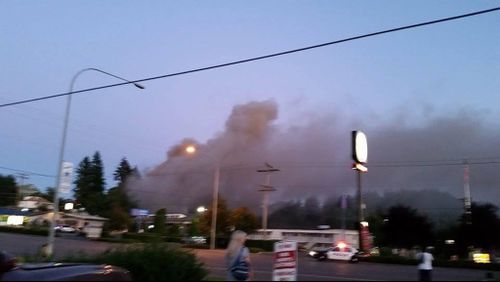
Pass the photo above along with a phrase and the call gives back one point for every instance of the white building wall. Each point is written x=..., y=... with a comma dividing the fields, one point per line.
x=309, y=238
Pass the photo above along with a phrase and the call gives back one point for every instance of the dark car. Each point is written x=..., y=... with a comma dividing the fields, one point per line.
x=11, y=271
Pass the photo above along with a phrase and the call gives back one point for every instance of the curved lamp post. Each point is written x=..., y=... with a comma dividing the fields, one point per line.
x=50, y=241
x=215, y=196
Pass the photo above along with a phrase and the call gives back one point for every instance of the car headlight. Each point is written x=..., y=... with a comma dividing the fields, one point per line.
x=312, y=253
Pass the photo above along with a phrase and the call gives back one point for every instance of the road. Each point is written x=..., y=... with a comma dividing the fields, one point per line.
x=309, y=269
x=21, y=245
x=312, y=270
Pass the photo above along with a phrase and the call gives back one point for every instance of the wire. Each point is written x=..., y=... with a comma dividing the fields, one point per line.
x=259, y=57
x=457, y=162
x=27, y=171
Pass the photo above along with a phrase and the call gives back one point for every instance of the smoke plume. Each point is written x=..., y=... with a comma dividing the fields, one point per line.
x=314, y=159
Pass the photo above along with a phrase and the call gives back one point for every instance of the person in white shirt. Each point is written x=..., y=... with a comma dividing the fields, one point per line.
x=425, y=265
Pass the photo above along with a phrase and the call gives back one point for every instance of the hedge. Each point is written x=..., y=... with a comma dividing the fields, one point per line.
x=265, y=245
x=150, y=262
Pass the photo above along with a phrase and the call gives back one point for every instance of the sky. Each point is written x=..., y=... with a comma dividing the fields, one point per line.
x=424, y=94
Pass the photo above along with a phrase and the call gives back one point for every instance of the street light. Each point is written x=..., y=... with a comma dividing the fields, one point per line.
x=50, y=241
x=215, y=196
x=201, y=209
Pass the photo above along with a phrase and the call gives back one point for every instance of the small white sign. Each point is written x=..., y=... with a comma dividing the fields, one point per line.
x=68, y=206
x=66, y=177
x=285, y=261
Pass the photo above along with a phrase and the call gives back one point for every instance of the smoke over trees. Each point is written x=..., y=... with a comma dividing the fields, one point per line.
x=314, y=158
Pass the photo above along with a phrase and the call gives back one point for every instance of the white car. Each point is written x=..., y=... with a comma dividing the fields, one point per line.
x=65, y=229
x=339, y=252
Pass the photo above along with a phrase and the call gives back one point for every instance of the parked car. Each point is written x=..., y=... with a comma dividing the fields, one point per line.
x=194, y=240
x=65, y=229
x=11, y=271
x=340, y=252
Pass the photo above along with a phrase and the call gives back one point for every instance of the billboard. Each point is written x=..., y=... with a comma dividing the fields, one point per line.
x=66, y=177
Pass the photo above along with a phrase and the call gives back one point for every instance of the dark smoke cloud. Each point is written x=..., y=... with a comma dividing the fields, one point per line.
x=314, y=158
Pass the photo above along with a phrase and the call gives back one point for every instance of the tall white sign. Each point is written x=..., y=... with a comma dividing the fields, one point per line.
x=66, y=177
x=285, y=261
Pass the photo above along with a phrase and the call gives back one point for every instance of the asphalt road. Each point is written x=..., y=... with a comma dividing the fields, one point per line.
x=309, y=269
x=22, y=245
x=312, y=270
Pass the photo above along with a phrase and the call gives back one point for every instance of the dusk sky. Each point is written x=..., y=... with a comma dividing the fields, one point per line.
x=405, y=82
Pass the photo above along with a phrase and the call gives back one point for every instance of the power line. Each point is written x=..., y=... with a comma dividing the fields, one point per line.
x=268, y=56
x=27, y=171
x=303, y=165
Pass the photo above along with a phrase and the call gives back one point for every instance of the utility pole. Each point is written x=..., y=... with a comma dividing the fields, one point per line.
x=343, y=206
x=467, y=196
x=266, y=188
x=22, y=176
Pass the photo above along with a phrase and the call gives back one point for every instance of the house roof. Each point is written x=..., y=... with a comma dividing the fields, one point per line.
x=85, y=216
x=36, y=199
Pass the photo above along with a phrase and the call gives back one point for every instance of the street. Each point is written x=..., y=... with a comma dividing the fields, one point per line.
x=312, y=270
x=20, y=245
x=309, y=269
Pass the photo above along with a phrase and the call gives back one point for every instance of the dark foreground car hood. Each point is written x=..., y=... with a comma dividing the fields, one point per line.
x=66, y=272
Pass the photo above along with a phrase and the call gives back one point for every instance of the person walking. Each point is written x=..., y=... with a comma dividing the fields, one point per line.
x=425, y=265
x=238, y=258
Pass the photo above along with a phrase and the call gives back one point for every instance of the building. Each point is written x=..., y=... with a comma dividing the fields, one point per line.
x=12, y=217
x=26, y=190
x=90, y=225
x=309, y=238
x=34, y=202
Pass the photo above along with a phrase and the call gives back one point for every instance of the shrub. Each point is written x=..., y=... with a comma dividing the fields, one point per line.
x=151, y=262
x=266, y=245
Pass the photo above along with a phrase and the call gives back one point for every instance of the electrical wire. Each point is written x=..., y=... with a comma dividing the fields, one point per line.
x=268, y=56
x=27, y=172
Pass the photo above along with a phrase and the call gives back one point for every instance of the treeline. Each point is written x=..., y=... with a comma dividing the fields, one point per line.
x=92, y=195
x=395, y=222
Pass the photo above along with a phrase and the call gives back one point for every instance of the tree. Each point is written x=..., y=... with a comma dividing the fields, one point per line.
x=377, y=220
x=223, y=227
x=8, y=190
x=123, y=171
x=404, y=227
x=160, y=221
x=118, y=195
x=89, y=189
x=118, y=199
x=194, y=229
x=333, y=213
x=97, y=171
x=483, y=231
x=48, y=195
x=120, y=205
x=243, y=219
x=118, y=219
x=312, y=213
x=287, y=216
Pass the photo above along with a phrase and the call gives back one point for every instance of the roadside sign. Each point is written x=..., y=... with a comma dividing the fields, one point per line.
x=66, y=177
x=285, y=261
